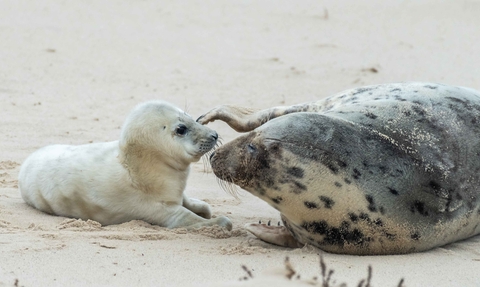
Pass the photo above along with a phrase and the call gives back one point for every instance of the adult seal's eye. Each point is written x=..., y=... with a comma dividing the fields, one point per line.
x=251, y=148
x=181, y=130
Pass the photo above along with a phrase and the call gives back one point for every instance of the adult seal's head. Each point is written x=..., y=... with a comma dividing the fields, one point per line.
x=265, y=161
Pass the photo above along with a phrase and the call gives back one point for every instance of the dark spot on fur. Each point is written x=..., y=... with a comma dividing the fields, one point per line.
x=392, y=191
x=347, y=181
x=456, y=100
x=371, y=203
x=364, y=216
x=277, y=199
x=395, y=90
x=331, y=167
x=353, y=217
x=316, y=227
x=310, y=205
x=419, y=207
x=390, y=236
x=356, y=174
x=345, y=225
x=335, y=235
x=415, y=236
x=378, y=222
x=296, y=172
x=439, y=190
x=275, y=150
x=407, y=113
x=262, y=158
x=398, y=98
x=327, y=201
x=434, y=185
x=298, y=187
x=371, y=115
x=360, y=90
x=419, y=110
x=338, y=184
x=342, y=164
x=431, y=87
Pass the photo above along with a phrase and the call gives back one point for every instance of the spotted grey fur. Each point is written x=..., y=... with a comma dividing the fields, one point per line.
x=383, y=169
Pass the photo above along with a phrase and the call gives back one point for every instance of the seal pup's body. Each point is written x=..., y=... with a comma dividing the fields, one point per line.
x=140, y=177
x=384, y=169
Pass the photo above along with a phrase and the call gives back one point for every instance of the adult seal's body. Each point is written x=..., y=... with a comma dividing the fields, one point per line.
x=142, y=176
x=383, y=169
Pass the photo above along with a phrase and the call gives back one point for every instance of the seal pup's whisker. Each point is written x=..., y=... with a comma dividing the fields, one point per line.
x=207, y=167
x=205, y=162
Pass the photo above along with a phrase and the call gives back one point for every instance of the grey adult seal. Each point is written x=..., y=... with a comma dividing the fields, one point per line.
x=385, y=169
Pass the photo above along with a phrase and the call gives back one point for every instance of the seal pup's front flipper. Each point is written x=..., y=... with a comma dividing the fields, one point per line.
x=277, y=235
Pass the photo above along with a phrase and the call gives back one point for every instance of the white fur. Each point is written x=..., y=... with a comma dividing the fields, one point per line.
x=140, y=177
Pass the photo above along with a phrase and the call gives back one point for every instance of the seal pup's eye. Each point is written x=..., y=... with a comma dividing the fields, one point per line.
x=181, y=130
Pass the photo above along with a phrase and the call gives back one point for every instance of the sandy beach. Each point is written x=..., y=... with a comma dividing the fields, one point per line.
x=70, y=72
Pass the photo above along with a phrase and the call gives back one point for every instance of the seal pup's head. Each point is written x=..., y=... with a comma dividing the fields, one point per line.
x=158, y=131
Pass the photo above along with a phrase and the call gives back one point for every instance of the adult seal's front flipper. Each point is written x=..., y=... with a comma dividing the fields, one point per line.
x=277, y=235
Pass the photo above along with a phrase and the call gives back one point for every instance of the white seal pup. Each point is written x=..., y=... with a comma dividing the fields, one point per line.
x=140, y=177
x=385, y=169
